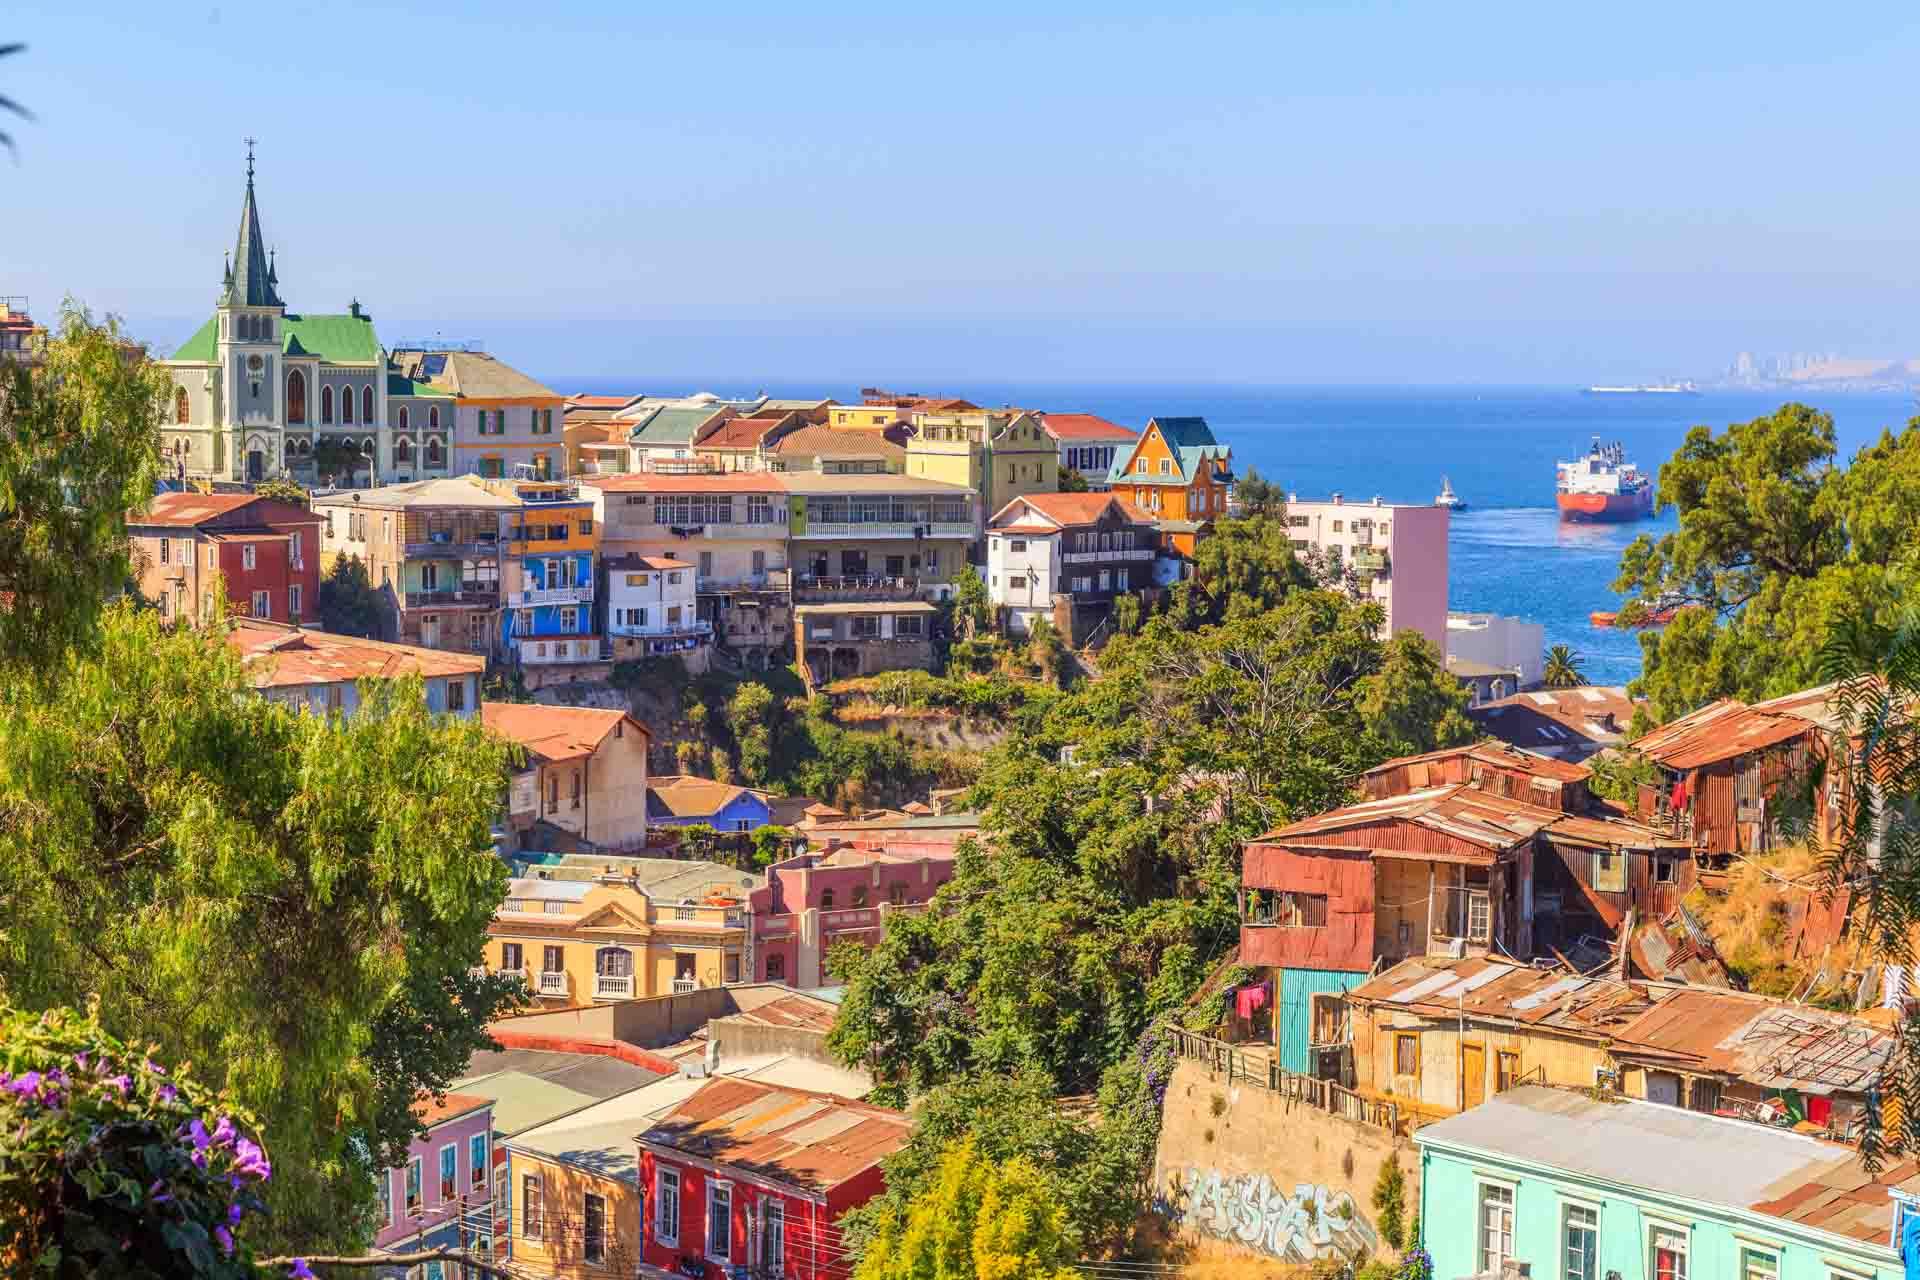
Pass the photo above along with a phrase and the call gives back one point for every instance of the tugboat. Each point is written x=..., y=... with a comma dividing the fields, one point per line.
x=1603, y=486
x=1659, y=612
x=1448, y=498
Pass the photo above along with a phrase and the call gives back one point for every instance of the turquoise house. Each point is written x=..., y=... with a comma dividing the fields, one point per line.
x=1610, y=1189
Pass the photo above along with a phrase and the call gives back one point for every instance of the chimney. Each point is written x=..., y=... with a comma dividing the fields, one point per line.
x=713, y=1056
x=1336, y=498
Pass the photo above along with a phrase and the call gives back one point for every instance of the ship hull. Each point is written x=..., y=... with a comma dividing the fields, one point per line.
x=1605, y=508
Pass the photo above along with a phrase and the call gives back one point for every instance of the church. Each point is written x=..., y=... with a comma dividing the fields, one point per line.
x=261, y=392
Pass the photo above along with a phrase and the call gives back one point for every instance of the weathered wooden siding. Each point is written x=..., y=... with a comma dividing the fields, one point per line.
x=1346, y=942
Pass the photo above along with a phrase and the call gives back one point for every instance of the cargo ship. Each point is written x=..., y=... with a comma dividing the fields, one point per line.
x=1648, y=389
x=1603, y=486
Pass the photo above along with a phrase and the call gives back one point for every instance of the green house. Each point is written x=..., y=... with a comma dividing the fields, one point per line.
x=1586, y=1188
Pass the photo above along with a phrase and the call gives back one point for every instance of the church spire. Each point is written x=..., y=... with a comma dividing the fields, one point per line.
x=253, y=278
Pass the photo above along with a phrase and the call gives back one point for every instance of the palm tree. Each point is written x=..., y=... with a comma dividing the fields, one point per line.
x=1563, y=669
x=8, y=104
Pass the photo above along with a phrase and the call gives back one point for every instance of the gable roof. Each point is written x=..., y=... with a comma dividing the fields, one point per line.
x=555, y=733
x=1493, y=752
x=1070, y=508
x=837, y=442
x=738, y=433
x=471, y=374
x=442, y=491
x=279, y=656
x=1556, y=719
x=451, y=1106
x=812, y=1141
x=682, y=796
x=673, y=424
x=1722, y=730
x=186, y=510
x=1085, y=426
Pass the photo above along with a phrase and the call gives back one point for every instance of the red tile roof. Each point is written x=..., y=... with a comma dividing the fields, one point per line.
x=834, y=442
x=601, y=402
x=556, y=733
x=184, y=510
x=431, y=1112
x=278, y=656
x=1086, y=426
x=812, y=1141
x=738, y=433
x=1077, y=508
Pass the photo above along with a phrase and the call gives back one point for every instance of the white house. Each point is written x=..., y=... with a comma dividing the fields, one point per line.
x=1511, y=644
x=652, y=610
x=1087, y=546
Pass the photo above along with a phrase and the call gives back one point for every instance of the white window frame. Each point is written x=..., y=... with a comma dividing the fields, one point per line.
x=1481, y=1186
x=248, y=558
x=293, y=603
x=449, y=1149
x=416, y=1172
x=263, y=604
x=664, y=1176
x=1567, y=1205
x=1648, y=1226
x=540, y=1225
x=715, y=1187
x=772, y=1206
x=477, y=1169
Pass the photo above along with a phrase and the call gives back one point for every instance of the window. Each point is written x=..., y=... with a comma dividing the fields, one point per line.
x=776, y=968
x=1609, y=871
x=1301, y=911
x=1166, y=466
x=433, y=416
x=1140, y=466
x=403, y=418
x=532, y=1219
x=552, y=960
x=1664, y=870
x=1506, y=1070
x=666, y=1206
x=553, y=792
x=593, y=1228
x=166, y=549
x=248, y=556
x=456, y=693
x=295, y=548
x=859, y=896
x=1406, y=1054
x=477, y=1160
x=1759, y=1264
x=346, y=405
x=720, y=1221
x=773, y=1235
x=449, y=1172
x=826, y=900
x=910, y=625
x=1668, y=1246
x=636, y=579
x=510, y=959
x=296, y=396
x=262, y=605
x=576, y=790
x=413, y=1185
x=366, y=404
x=1496, y=1226
x=1016, y=582
x=182, y=412
x=569, y=620
x=1479, y=916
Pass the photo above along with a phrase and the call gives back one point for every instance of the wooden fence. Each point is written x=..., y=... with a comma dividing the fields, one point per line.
x=1241, y=1065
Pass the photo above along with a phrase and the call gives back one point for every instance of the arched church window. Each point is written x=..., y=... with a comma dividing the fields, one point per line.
x=402, y=450
x=433, y=416
x=326, y=406
x=433, y=453
x=182, y=411
x=346, y=405
x=296, y=396
x=366, y=405
x=403, y=417
x=367, y=446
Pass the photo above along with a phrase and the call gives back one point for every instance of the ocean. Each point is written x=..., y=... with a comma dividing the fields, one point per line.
x=1509, y=553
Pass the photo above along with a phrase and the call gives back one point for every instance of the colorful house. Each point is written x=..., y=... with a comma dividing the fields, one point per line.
x=266, y=552
x=585, y=772
x=1000, y=456
x=1392, y=554
x=677, y=800
x=653, y=610
x=1180, y=474
x=442, y=1198
x=548, y=546
x=1071, y=549
x=1587, y=1188
x=323, y=672
x=844, y=894
x=749, y=1176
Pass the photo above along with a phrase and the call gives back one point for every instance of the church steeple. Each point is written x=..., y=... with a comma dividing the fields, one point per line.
x=253, y=283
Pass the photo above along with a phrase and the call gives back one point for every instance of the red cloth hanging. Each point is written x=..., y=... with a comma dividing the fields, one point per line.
x=1248, y=999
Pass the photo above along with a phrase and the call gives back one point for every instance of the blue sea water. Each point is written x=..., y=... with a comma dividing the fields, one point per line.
x=1509, y=553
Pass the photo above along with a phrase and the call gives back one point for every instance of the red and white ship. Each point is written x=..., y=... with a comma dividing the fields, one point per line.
x=1603, y=486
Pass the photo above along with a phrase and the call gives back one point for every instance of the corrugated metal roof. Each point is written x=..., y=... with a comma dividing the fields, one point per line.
x=812, y=1141
x=1725, y=730
x=1494, y=752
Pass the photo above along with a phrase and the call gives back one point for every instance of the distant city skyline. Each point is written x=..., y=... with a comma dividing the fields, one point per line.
x=1314, y=195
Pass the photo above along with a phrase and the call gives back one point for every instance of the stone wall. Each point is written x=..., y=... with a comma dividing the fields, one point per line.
x=1245, y=1167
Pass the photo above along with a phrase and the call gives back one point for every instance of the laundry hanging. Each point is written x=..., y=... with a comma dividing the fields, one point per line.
x=1248, y=999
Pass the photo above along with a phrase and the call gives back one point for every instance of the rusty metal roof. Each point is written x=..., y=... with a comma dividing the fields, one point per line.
x=1493, y=822
x=1558, y=999
x=1494, y=752
x=1727, y=729
x=813, y=1141
x=1841, y=1197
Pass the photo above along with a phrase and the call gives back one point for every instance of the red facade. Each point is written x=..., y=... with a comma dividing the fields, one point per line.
x=1346, y=879
x=763, y=1217
x=267, y=551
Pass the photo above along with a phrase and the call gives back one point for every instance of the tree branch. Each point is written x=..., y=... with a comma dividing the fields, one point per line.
x=370, y=1260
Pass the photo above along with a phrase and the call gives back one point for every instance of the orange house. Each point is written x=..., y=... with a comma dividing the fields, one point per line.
x=1178, y=473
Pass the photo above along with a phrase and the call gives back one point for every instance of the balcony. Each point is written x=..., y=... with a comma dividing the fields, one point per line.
x=553, y=983
x=685, y=986
x=607, y=986
x=548, y=651
x=553, y=595
x=1371, y=560
x=485, y=598
x=447, y=549
x=681, y=632
x=846, y=529
x=771, y=580
x=1090, y=557
x=812, y=590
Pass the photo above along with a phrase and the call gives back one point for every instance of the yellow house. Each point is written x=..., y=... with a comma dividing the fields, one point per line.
x=579, y=942
x=1000, y=456
x=586, y=770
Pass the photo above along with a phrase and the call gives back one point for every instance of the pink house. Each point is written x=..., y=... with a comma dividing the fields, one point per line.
x=814, y=900
x=440, y=1197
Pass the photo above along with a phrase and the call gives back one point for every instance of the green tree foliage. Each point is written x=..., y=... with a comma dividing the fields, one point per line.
x=979, y=1220
x=1126, y=613
x=752, y=713
x=1247, y=566
x=79, y=448
x=1619, y=774
x=1775, y=545
x=1411, y=703
x=291, y=903
x=1072, y=481
x=1562, y=670
x=1390, y=1204
x=1257, y=496
x=350, y=605
x=972, y=608
x=284, y=490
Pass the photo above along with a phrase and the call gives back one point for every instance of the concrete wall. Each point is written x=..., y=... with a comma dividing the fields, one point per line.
x=1244, y=1167
x=1507, y=643
x=738, y=1039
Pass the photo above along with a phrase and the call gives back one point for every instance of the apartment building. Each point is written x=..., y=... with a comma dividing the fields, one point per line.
x=549, y=540
x=266, y=552
x=998, y=455
x=1081, y=550
x=653, y=610
x=1391, y=553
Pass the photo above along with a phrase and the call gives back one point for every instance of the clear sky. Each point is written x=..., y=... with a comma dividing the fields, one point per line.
x=1354, y=192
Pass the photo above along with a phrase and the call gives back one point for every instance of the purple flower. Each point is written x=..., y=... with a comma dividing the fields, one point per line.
x=155, y=1067
x=248, y=1158
x=199, y=1134
x=80, y=1060
x=168, y=1093
x=121, y=1083
x=26, y=1086
x=225, y=1237
x=299, y=1270
x=157, y=1192
x=234, y=1214
x=223, y=1132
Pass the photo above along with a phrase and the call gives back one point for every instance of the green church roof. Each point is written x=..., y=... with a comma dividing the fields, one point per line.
x=345, y=339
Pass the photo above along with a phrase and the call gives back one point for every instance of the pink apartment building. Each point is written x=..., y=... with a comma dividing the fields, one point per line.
x=814, y=900
x=442, y=1197
x=1399, y=554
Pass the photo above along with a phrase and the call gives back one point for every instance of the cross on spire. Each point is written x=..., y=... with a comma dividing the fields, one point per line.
x=250, y=140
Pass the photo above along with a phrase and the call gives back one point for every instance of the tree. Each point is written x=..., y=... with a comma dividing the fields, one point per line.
x=1390, y=1203
x=338, y=459
x=1126, y=613
x=79, y=448
x=8, y=104
x=1412, y=703
x=1246, y=566
x=1071, y=481
x=284, y=490
x=350, y=605
x=978, y=1221
x=972, y=609
x=1256, y=496
x=1774, y=546
x=1619, y=774
x=1562, y=669
x=292, y=903
x=752, y=712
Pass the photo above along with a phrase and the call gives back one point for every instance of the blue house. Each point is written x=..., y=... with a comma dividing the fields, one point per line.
x=1586, y=1188
x=677, y=800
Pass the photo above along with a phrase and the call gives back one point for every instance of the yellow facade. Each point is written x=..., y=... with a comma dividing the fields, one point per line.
x=1000, y=456
x=556, y=1246
x=670, y=948
x=866, y=417
x=1459, y=1063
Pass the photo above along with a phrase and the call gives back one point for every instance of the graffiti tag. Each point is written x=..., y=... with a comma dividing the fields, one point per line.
x=1310, y=1223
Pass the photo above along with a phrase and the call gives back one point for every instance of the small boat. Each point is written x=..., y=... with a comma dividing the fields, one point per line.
x=1658, y=613
x=1448, y=498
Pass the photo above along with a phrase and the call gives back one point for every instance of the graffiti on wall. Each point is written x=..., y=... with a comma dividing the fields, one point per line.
x=1308, y=1223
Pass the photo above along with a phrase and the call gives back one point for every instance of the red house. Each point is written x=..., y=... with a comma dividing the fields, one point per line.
x=745, y=1175
x=268, y=552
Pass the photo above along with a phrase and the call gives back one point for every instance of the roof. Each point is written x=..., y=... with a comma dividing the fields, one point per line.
x=1841, y=1197
x=399, y=384
x=471, y=374
x=837, y=442
x=1494, y=753
x=556, y=733
x=716, y=482
x=334, y=339
x=521, y=1100
x=1191, y=442
x=809, y=1140
x=445, y=491
x=1070, y=508
x=599, y=1137
x=663, y=879
x=673, y=424
x=661, y=563
x=278, y=656
x=448, y=1106
x=1471, y=670
x=600, y=402
x=1722, y=730
x=1492, y=822
x=185, y=510
x=800, y=1009
x=738, y=433
x=1085, y=426
x=1695, y=1157
x=680, y=796
x=1552, y=719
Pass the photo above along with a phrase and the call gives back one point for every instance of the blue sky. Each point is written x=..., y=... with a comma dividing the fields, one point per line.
x=1316, y=193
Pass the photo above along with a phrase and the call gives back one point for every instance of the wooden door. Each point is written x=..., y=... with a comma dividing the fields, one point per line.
x=1473, y=1075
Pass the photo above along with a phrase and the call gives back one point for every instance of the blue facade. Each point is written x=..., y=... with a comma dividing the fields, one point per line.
x=745, y=808
x=1293, y=1019
x=535, y=569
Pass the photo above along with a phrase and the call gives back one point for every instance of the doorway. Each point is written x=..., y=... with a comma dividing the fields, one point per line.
x=1473, y=1076
x=256, y=466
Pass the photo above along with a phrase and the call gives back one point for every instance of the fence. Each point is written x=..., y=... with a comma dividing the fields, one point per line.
x=1258, y=1068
